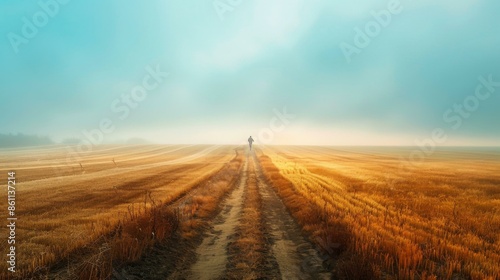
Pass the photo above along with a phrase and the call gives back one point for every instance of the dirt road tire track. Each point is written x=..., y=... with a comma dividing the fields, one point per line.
x=295, y=255
x=163, y=258
x=212, y=255
x=288, y=254
x=172, y=258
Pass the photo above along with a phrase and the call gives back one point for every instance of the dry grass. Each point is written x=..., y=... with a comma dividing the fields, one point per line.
x=437, y=220
x=195, y=210
x=106, y=212
x=376, y=217
x=142, y=228
x=249, y=245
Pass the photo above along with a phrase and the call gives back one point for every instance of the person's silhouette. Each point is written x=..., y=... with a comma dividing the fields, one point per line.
x=250, y=141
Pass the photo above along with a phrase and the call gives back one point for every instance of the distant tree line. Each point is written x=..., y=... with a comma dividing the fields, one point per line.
x=23, y=140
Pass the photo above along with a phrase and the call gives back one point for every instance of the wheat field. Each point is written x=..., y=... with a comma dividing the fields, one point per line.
x=438, y=219
x=67, y=209
x=370, y=213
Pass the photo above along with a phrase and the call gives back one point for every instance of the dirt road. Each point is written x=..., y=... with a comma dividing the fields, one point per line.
x=253, y=236
x=286, y=253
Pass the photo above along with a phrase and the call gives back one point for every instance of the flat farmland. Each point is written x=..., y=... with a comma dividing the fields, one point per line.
x=277, y=212
x=63, y=208
x=390, y=218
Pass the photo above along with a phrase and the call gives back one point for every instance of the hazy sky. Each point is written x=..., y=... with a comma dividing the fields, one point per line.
x=228, y=76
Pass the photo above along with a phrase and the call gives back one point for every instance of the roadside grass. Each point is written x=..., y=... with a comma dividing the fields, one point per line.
x=83, y=225
x=250, y=242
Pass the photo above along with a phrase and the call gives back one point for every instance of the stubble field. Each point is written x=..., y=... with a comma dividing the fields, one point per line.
x=438, y=219
x=178, y=212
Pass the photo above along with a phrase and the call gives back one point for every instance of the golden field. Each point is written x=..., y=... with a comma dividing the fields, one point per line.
x=373, y=214
x=107, y=204
x=392, y=219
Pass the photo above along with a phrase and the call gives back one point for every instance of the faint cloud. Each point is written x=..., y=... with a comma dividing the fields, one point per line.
x=277, y=21
x=275, y=24
x=453, y=7
x=229, y=55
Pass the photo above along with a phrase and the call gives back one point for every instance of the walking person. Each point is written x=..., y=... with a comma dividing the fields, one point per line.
x=250, y=141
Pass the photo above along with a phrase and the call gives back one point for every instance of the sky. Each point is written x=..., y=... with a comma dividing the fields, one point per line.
x=303, y=72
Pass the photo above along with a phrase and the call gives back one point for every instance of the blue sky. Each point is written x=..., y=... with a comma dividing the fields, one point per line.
x=227, y=77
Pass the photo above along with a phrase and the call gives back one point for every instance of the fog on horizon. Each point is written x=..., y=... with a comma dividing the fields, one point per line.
x=286, y=72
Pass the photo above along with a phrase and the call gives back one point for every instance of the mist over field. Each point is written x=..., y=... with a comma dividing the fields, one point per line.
x=357, y=73
x=227, y=139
